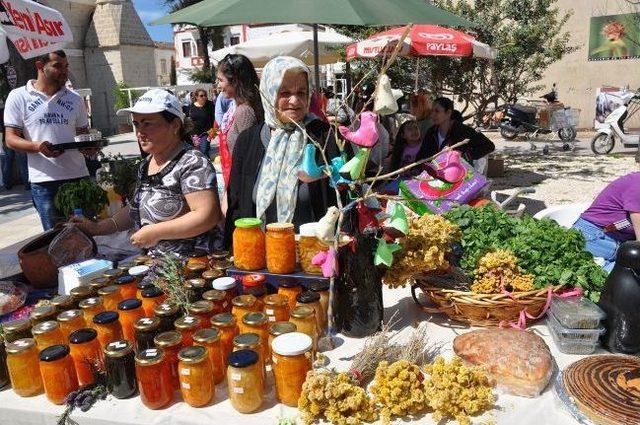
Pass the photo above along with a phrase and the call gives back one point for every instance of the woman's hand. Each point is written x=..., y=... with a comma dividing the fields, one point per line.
x=146, y=237
x=90, y=227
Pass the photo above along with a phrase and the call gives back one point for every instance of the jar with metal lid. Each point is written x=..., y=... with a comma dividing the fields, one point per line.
x=63, y=302
x=276, y=307
x=108, y=326
x=291, y=362
x=198, y=257
x=229, y=286
x=228, y=326
x=210, y=339
x=195, y=270
x=98, y=283
x=4, y=373
x=308, y=246
x=110, y=297
x=126, y=265
x=221, y=264
x=90, y=307
x=168, y=312
x=58, y=373
x=195, y=370
x=42, y=314
x=245, y=381
x=187, y=326
x=312, y=299
x=128, y=286
x=218, y=299
x=141, y=286
x=195, y=288
x=141, y=259
x=249, y=244
x=244, y=304
x=280, y=328
x=146, y=330
x=151, y=297
x=80, y=293
x=23, y=367
x=202, y=309
x=139, y=272
x=154, y=378
x=281, y=248
x=254, y=284
x=257, y=322
x=17, y=329
x=112, y=274
x=120, y=365
x=171, y=343
x=305, y=320
x=130, y=310
x=322, y=288
x=210, y=275
x=289, y=289
x=71, y=320
x=86, y=353
x=251, y=341
x=47, y=334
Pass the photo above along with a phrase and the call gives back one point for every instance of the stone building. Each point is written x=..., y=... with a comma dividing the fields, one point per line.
x=164, y=55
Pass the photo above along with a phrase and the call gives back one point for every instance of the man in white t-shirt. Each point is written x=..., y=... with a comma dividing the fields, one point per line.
x=37, y=117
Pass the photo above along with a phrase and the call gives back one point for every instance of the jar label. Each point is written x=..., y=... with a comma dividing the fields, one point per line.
x=267, y=368
x=21, y=343
x=165, y=307
x=185, y=371
x=117, y=345
x=92, y=301
x=272, y=318
x=238, y=390
x=269, y=311
x=236, y=377
x=185, y=385
x=151, y=352
x=146, y=321
x=189, y=319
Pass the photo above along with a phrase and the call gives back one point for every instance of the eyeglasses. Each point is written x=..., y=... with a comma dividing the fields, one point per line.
x=202, y=95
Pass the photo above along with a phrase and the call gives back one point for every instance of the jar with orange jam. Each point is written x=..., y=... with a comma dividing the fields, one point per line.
x=291, y=361
x=280, y=328
x=141, y=286
x=257, y=322
x=151, y=297
x=80, y=293
x=249, y=244
x=195, y=288
x=228, y=326
x=244, y=304
x=108, y=326
x=98, y=283
x=322, y=288
x=171, y=343
x=218, y=299
x=230, y=288
x=86, y=353
x=245, y=381
x=209, y=338
x=251, y=341
x=312, y=299
x=90, y=307
x=42, y=314
x=289, y=289
x=130, y=311
x=128, y=286
x=23, y=366
x=112, y=274
x=71, y=320
x=4, y=373
x=47, y=334
x=154, y=378
x=305, y=320
x=187, y=326
x=16, y=329
x=110, y=297
x=198, y=257
x=195, y=370
x=210, y=275
x=202, y=309
x=168, y=312
x=276, y=307
x=308, y=246
x=63, y=302
x=281, y=248
x=58, y=373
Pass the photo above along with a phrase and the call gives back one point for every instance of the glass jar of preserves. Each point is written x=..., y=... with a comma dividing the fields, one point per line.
x=198, y=257
x=58, y=373
x=312, y=299
x=202, y=309
x=291, y=362
x=128, y=286
x=245, y=381
x=228, y=326
x=168, y=312
x=86, y=353
x=322, y=288
x=249, y=244
x=305, y=320
x=229, y=286
x=210, y=275
x=281, y=248
x=141, y=259
x=80, y=293
x=146, y=330
x=195, y=270
x=4, y=373
x=120, y=365
x=276, y=307
x=125, y=266
x=108, y=326
x=42, y=314
x=171, y=343
x=251, y=341
x=98, y=283
x=154, y=378
x=17, y=329
x=209, y=338
x=47, y=334
x=139, y=272
x=151, y=297
x=141, y=286
x=71, y=320
x=257, y=322
x=23, y=367
x=308, y=246
x=112, y=274
x=244, y=304
x=280, y=328
x=195, y=288
x=254, y=284
x=218, y=299
x=110, y=297
x=289, y=289
x=195, y=370
x=130, y=311
x=63, y=302
x=187, y=326
x=90, y=307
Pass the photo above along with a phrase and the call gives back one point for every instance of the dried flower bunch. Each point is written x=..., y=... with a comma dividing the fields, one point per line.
x=498, y=270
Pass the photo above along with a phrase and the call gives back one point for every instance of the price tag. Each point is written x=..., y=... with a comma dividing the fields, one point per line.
x=185, y=385
x=269, y=311
x=236, y=377
x=151, y=352
x=21, y=343
x=146, y=321
x=238, y=390
x=189, y=319
x=185, y=372
x=267, y=368
x=165, y=307
x=272, y=318
x=92, y=301
x=118, y=345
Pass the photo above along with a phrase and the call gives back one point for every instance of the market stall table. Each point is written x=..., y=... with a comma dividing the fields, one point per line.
x=545, y=409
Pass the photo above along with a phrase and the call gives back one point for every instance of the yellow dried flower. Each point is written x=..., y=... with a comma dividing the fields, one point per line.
x=398, y=390
x=499, y=270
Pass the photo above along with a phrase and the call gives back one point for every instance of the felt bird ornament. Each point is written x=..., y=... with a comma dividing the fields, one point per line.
x=366, y=135
x=326, y=229
x=354, y=169
x=327, y=262
x=384, y=253
x=336, y=164
x=385, y=102
x=309, y=165
x=450, y=168
x=398, y=225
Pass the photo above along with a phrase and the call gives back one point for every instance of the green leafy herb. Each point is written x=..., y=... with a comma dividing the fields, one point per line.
x=85, y=194
x=122, y=174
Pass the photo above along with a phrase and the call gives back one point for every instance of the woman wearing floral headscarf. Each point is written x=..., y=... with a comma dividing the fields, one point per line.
x=265, y=181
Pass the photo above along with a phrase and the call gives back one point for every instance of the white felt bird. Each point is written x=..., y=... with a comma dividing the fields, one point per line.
x=326, y=229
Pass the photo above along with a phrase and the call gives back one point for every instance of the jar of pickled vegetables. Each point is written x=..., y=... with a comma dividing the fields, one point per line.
x=130, y=311
x=146, y=330
x=308, y=246
x=154, y=378
x=276, y=307
x=187, y=326
x=322, y=288
x=229, y=286
x=228, y=326
x=80, y=293
x=4, y=373
x=63, y=302
x=58, y=373
x=291, y=362
x=141, y=286
x=86, y=354
x=90, y=307
x=128, y=286
x=151, y=297
x=195, y=370
x=47, y=334
x=254, y=284
x=210, y=339
x=202, y=309
x=249, y=244
x=289, y=289
x=42, y=314
x=280, y=328
x=281, y=248
x=244, y=304
x=98, y=283
x=110, y=297
x=120, y=365
x=251, y=341
x=195, y=288
x=23, y=367
x=108, y=326
x=17, y=329
x=139, y=271
x=168, y=312
x=245, y=381
x=305, y=320
x=257, y=322
x=312, y=299
x=112, y=274
x=218, y=299
x=71, y=320
x=171, y=343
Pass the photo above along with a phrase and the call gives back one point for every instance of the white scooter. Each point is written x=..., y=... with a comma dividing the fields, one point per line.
x=613, y=128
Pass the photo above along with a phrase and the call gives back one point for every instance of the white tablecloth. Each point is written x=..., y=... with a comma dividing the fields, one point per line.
x=509, y=410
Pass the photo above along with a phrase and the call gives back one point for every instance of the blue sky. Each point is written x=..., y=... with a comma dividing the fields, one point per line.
x=150, y=10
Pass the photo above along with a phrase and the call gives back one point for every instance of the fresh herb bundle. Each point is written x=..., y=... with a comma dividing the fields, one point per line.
x=121, y=173
x=85, y=194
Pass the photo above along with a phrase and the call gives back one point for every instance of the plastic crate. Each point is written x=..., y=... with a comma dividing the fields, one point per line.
x=577, y=313
x=573, y=341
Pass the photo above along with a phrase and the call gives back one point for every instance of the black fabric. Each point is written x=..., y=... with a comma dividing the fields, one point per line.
x=477, y=147
x=202, y=117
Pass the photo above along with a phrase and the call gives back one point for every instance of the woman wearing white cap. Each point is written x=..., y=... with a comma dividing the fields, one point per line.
x=175, y=204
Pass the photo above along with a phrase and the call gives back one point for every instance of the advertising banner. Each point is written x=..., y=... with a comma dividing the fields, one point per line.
x=614, y=37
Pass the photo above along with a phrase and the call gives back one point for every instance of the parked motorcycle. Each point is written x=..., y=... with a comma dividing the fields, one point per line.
x=613, y=130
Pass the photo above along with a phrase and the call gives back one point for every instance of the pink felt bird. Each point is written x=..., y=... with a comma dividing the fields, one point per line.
x=367, y=135
x=327, y=262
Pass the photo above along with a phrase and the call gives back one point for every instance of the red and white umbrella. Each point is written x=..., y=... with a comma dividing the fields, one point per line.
x=422, y=40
